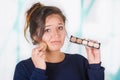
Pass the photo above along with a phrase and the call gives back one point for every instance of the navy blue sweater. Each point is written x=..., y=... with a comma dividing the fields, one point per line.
x=73, y=67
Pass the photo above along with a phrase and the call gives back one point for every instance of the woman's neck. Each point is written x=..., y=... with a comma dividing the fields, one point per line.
x=55, y=57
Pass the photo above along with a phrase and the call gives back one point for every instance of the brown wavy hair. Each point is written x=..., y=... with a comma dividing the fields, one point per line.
x=35, y=20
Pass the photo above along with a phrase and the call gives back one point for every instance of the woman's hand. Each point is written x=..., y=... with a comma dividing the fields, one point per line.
x=38, y=56
x=93, y=55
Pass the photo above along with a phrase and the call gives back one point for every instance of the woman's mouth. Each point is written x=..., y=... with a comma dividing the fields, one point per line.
x=55, y=42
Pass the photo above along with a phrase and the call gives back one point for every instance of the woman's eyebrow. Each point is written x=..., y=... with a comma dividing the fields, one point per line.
x=61, y=23
x=48, y=25
x=51, y=25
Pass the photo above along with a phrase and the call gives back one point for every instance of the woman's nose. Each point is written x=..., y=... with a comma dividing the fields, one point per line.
x=56, y=33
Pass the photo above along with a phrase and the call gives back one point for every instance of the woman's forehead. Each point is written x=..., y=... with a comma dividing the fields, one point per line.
x=53, y=19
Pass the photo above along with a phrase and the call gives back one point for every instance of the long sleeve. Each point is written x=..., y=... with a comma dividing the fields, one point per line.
x=95, y=72
x=38, y=74
x=25, y=71
x=88, y=71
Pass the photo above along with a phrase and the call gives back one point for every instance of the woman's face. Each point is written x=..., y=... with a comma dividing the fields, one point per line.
x=54, y=34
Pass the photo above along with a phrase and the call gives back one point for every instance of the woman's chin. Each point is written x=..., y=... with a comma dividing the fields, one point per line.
x=54, y=49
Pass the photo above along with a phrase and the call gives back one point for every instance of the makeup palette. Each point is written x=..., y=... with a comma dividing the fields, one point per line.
x=85, y=42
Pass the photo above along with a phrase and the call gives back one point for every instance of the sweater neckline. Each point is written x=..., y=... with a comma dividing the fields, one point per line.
x=63, y=61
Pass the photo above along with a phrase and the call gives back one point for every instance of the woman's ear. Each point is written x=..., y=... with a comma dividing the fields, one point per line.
x=66, y=32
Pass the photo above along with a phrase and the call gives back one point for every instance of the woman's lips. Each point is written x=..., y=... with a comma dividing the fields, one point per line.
x=56, y=42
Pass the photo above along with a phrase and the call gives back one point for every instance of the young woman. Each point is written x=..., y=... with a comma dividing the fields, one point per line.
x=47, y=30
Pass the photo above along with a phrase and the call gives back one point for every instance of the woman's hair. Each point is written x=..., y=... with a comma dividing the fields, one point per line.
x=35, y=19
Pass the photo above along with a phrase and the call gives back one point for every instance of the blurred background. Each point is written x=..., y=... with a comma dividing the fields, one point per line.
x=93, y=19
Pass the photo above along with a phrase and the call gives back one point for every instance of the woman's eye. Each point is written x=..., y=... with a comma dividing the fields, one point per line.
x=47, y=30
x=60, y=27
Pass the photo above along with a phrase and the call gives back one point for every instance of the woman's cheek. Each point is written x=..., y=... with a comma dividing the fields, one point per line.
x=46, y=38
